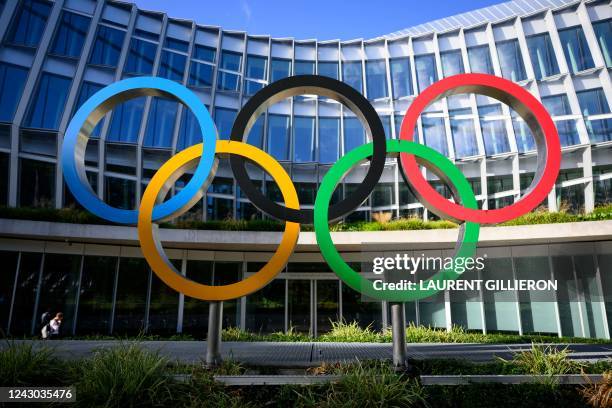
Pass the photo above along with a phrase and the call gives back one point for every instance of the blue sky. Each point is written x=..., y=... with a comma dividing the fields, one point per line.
x=321, y=19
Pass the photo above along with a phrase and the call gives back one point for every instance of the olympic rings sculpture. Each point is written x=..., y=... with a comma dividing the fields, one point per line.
x=204, y=157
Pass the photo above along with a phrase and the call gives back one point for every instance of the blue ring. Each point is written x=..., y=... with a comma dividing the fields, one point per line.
x=85, y=119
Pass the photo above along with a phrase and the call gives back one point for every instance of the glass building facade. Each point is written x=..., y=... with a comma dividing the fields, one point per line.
x=55, y=54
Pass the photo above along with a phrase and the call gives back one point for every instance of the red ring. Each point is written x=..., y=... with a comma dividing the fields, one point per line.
x=507, y=92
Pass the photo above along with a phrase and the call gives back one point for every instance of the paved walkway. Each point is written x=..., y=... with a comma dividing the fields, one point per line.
x=313, y=354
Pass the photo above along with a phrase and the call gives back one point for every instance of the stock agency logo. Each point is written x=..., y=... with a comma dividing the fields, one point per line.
x=203, y=156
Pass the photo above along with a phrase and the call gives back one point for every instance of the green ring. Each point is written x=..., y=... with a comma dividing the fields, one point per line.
x=352, y=278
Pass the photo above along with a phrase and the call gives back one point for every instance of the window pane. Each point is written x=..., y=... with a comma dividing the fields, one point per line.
x=141, y=57
x=328, y=308
x=524, y=138
x=400, y=77
x=480, y=59
x=386, y=122
x=204, y=53
x=576, y=49
x=189, y=132
x=256, y=67
x=280, y=68
x=493, y=130
x=464, y=137
x=511, y=60
x=219, y=208
x=255, y=136
x=278, y=136
x=12, y=80
x=107, y=46
x=351, y=74
x=36, y=183
x=329, y=132
x=231, y=60
x=593, y=102
x=163, y=307
x=131, y=300
x=160, y=124
x=25, y=294
x=435, y=134
x=87, y=90
x=175, y=44
x=603, y=32
x=252, y=87
x=354, y=133
x=376, y=79
x=266, y=308
x=172, y=65
x=58, y=291
x=452, y=63
x=7, y=281
x=303, y=136
x=542, y=56
x=558, y=105
x=224, y=119
x=329, y=69
x=125, y=123
x=200, y=74
x=120, y=193
x=47, y=106
x=96, y=295
x=227, y=81
x=4, y=178
x=29, y=23
x=70, y=35
x=304, y=68
x=425, y=70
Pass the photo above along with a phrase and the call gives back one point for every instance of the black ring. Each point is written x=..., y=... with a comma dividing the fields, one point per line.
x=309, y=85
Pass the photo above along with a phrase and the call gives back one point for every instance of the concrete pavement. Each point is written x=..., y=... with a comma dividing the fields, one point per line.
x=305, y=354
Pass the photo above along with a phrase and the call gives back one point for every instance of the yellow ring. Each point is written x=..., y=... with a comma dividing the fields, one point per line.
x=152, y=249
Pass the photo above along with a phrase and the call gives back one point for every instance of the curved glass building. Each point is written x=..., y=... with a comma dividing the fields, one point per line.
x=55, y=54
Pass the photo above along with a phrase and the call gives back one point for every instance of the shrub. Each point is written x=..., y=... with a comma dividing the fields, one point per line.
x=22, y=364
x=545, y=360
x=123, y=376
x=350, y=332
x=599, y=395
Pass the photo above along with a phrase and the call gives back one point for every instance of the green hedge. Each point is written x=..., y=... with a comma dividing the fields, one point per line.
x=76, y=216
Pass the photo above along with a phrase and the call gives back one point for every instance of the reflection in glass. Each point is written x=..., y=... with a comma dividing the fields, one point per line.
x=231, y=61
x=279, y=69
x=29, y=23
x=499, y=305
x=70, y=35
x=47, y=105
x=435, y=134
x=303, y=139
x=120, y=193
x=593, y=102
x=576, y=49
x=356, y=309
x=351, y=74
x=265, y=309
x=107, y=48
x=256, y=67
x=603, y=32
x=400, y=77
x=328, y=69
x=327, y=304
x=493, y=130
x=511, y=60
x=376, y=79
x=172, y=65
x=195, y=311
x=567, y=296
x=224, y=120
x=452, y=63
x=12, y=80
x=299, y=305
x=36, y=183
x=542, y=55
x=329, y=136
x=278, y=136
x=160, y=125
x=204, y=53
x=87, y=90
x=304, y=67
x=464, y=137
x=163, y=308
x=200, y=74
x=8, y=260
x=480, y=59
x=425, y=70
x=132, y=287
x=354, y=133
x=125, y=122
x=96, y=295
x=140, y=57
x=465, y=304
x=536, y=306
x=25, y=295
x=558, y=105
x=58, y=290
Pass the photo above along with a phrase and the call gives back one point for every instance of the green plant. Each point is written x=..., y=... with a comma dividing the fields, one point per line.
x=123, y=376
x=350, y=332
x=22, y=364
x=545, y=360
